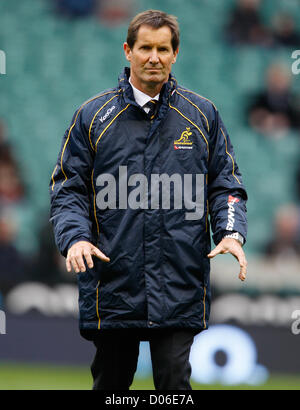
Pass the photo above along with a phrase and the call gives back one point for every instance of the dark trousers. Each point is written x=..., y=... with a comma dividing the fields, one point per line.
x=117, y=353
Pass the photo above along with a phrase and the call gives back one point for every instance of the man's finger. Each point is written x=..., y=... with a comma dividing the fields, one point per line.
x=88, y=259
x=80, y=261
x=68, y=265
x=243, y=270
x=242, y=274
x=96, y=252
x=74, y=264
x=240, y=256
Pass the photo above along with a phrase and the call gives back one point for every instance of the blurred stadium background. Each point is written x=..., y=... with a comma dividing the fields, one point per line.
x=58, y=54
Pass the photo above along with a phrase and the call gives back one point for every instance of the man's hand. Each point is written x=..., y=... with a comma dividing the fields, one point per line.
x=81, y=250
x=230, y=245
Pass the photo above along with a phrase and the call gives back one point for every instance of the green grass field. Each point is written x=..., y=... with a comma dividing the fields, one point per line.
x=47, y=377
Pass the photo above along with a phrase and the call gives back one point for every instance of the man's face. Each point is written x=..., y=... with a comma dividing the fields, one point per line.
x=151, y=57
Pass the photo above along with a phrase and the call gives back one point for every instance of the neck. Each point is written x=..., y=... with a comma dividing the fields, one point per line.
x=151, y=89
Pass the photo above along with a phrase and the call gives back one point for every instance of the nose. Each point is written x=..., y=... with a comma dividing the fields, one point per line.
x=153, y=59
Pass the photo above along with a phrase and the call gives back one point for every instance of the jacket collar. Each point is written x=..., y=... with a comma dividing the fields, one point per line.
x=165, y=94
x=140, y=97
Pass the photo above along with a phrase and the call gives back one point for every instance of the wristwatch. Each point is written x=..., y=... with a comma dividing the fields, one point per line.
x=237, y=236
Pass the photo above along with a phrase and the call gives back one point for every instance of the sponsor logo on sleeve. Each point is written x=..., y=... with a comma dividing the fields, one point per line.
x=231, y=212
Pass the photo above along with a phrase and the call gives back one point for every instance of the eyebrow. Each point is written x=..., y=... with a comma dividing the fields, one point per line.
x=149, y=43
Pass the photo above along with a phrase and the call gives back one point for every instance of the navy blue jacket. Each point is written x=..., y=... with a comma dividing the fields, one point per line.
x=145, y=191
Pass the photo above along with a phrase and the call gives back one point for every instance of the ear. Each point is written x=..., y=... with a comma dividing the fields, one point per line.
x=127, y=51
x=175, y=55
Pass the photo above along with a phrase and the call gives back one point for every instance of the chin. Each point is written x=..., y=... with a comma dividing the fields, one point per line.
x=155, y=78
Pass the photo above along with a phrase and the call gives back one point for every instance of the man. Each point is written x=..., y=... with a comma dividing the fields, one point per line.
x=141, y=167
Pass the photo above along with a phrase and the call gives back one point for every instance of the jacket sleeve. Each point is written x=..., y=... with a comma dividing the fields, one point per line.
x=226, y=193
x=70, y=187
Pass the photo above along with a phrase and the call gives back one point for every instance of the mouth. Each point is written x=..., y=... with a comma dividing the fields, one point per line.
x=153, y=69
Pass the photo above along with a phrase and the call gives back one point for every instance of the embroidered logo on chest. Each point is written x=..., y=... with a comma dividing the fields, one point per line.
x=184, y=142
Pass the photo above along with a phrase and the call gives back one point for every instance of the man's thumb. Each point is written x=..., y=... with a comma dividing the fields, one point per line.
x=214, y=252
x=100, y=254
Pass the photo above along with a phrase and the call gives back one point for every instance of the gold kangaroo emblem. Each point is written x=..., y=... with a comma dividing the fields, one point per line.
x=184, y=138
